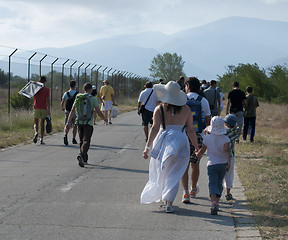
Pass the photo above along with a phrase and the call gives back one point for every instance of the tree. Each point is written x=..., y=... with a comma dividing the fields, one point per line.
x=279, y=79
x=249, y=75
x=4, y=78
x=168, y=66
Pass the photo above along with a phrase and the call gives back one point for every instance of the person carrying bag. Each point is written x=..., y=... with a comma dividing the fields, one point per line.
x=142, y=108
x=147, y=102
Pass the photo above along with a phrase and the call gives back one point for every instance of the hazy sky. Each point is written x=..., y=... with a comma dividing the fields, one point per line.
x=31, y=24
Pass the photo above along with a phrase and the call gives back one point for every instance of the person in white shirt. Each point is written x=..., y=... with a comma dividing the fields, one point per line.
x=149, y=99
x=192, y=87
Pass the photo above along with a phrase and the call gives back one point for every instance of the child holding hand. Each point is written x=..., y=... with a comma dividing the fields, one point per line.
x=218, y=154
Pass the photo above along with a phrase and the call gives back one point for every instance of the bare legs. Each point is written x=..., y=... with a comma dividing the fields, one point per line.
x=146, y=131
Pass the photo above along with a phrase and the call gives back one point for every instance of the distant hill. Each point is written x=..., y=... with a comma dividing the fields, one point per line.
x=206, y=50
x=281, y=61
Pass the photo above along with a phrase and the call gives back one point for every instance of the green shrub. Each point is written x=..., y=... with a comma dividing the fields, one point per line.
x=20, y=102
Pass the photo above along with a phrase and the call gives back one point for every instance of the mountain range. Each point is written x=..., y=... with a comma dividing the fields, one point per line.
x=207, y=50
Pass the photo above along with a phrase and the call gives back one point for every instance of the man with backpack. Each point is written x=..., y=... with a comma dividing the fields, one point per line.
x=199, y=107
x=68, y=99
x=213, y=97
x=83, y=107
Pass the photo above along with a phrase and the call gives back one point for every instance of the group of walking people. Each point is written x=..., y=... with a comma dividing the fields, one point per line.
x=185, y=123
x=80, y=113
x=177, y=141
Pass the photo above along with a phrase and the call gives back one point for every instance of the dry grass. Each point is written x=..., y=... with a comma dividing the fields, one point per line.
x=262, y=165
x=19, y=128
x=263, y=170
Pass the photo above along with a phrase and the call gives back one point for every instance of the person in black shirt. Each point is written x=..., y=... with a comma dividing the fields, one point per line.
x=236, y=100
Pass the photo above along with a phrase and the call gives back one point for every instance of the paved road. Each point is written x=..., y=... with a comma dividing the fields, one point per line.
x=46, y=195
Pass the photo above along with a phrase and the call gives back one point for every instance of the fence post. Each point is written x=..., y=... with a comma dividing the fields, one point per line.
x=71, y=69
x=128, y=84
x=86, y=72
x=63, y=76
x=97, y=76
x=41, y=63
x=108, y=73
x=52, y=79
x=9, y=87
x=112, y=81
x=79, y=75
x=104, y=73
x=91, y=74
x=29, y=64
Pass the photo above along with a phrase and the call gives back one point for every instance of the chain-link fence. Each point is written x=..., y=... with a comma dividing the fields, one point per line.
x=17, y=67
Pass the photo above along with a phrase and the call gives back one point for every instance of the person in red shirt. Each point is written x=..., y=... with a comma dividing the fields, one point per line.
x=41, y=106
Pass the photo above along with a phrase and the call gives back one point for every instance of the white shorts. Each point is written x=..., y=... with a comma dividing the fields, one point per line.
x=229, y=177
x=107, y=106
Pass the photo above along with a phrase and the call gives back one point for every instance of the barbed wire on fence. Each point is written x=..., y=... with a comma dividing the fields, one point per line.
x=21, y=66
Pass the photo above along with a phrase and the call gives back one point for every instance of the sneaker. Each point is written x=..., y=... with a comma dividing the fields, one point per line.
x=80, y=161
x=185, y=198
x=42, y=142
x=193, y=192
x=229, y=197
x=35, y=138
x=65, y=140
x=214, y=210
x=85, y=161
x=74, y=141
x=169, y=209
x=110, y=122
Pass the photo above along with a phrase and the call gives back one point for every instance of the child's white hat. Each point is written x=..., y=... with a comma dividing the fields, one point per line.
x=217, y=126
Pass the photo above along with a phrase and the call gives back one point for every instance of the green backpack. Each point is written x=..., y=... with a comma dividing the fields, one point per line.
x=83, y=108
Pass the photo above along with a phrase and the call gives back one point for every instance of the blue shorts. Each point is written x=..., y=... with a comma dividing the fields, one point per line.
x=216, y=174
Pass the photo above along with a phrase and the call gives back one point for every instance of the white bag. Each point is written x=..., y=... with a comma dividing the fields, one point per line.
x=31, y=88
x=114, y=112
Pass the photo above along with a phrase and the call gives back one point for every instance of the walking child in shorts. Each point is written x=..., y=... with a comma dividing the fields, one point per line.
x=218, y=154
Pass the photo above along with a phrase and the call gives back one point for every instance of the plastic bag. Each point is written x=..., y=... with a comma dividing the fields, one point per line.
x=48, y=124
x=114, y=112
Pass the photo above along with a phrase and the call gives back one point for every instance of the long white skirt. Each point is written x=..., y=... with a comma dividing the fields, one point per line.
x=164, y=180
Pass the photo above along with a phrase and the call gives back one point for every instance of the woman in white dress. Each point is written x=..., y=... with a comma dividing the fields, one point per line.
x=169, y=145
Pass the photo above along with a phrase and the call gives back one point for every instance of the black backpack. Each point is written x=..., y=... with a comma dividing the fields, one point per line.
x=70, y=101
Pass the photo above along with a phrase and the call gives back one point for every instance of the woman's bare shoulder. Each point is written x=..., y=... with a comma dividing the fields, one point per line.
x=186, y=109
x=157, y=108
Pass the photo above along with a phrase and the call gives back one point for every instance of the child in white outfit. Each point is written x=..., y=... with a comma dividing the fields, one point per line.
x=232, y=133
x=218, y=153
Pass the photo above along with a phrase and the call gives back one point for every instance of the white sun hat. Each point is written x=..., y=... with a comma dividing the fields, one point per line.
x=170, y=93
x=217, y=126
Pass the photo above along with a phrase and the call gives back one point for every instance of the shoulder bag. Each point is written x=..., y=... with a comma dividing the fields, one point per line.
x=162, y=114
x=141, y=110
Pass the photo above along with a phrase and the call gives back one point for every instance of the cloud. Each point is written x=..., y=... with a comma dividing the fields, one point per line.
x=273, y=2
x=58, y=23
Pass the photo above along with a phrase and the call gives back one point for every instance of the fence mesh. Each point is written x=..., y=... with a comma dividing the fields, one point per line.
x=17, y=67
